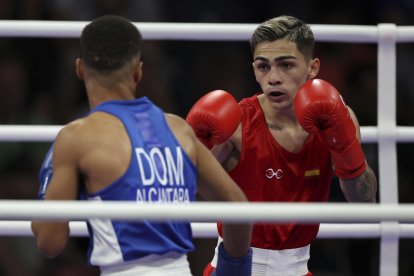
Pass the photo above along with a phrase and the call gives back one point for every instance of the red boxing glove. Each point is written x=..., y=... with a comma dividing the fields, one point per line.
x=214, y=117
x=320, y=107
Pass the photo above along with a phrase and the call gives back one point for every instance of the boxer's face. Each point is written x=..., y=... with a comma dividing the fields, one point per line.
x=280, y=69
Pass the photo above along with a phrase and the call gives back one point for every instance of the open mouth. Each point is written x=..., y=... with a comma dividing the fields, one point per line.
x=276, y=94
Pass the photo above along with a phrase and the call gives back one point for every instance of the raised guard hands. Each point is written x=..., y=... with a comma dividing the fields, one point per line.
x=320, y=108
x=214, y=117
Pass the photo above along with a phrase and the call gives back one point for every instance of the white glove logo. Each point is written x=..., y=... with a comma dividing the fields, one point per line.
x=271, y=173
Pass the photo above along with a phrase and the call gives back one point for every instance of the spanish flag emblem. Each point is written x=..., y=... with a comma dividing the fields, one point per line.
x=312, y=172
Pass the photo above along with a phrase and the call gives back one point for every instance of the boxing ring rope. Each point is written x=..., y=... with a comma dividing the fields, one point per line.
x=206, y=211
x=209, y=230
x=47, y=133
x=197, y=31
x=387, y=134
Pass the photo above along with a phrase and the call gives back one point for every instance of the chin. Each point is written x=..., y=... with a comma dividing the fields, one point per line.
x=280, y=103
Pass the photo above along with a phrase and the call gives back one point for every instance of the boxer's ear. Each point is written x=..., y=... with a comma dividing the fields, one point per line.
x=313, y=68
x=79, y=68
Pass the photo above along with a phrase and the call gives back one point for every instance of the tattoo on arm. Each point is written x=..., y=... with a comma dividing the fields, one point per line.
x=362, y=188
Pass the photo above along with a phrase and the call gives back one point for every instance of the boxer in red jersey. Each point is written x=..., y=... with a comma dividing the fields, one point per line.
x=291, y=139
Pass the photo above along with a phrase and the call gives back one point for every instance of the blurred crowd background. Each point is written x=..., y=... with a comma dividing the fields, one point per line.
x=38, y=86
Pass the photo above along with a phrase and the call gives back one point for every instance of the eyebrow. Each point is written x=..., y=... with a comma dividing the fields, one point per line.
x=281, y=58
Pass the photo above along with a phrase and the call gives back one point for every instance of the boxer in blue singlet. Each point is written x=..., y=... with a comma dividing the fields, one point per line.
x=128, y=149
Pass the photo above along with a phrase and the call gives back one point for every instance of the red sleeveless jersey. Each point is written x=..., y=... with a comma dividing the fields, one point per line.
x=267, y=172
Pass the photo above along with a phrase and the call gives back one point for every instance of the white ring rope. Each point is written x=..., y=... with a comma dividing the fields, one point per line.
x=47, y=133
x=27, y=133
x=196, y=31
x=207, y=211
x=209, y=230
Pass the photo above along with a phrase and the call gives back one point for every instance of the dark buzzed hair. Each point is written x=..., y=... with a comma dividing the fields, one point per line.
x=110, y=42
x=285, y=27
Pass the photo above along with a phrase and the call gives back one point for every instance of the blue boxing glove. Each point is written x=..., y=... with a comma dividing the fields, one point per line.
x=46, y=172
x=228, y=265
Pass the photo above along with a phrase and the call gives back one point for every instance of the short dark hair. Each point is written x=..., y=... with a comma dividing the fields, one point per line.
x=110, y=42
x=285, y=27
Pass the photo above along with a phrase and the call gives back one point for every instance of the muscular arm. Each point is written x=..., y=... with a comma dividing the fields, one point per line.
x=52, y=236
x=228, y=153
x=362, y=188
x=214, y=184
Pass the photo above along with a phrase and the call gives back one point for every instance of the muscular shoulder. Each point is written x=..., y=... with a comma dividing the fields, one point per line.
x=74, y=131
x=182, y=131
x=97, y=126
x=68, y=140
x=178, y=125
x=68, y=131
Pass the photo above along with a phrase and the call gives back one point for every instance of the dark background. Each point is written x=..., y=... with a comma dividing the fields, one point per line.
x=38, y=86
